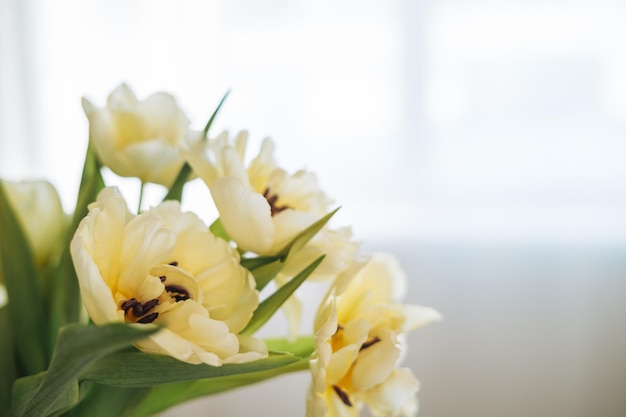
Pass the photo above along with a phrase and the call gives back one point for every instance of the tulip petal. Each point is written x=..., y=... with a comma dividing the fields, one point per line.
x=245, y=215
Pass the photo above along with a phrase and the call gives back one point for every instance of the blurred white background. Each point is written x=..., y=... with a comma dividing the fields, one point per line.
x=482, y=142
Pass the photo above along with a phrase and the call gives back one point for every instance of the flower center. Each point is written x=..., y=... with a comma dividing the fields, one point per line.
x=271, y=199
x=138, y=312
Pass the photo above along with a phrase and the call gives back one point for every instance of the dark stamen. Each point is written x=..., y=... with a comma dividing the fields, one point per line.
x=179, y=292
x=174, y=263
x=370, y=342
x=148, y=319
x=271, y=200
x=162, y=278
x=343, y=396
x=131, y=304
x=149, y=305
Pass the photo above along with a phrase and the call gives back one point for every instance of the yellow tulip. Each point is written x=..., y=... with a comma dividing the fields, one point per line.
x=138, y=138
x=38, y=208
x=358, y=343
x=164, y=266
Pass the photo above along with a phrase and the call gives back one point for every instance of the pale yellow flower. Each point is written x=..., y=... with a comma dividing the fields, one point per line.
x=164, y=266
x=357, y=340
x=38, y=208
x=261, y=206
x=139, y=138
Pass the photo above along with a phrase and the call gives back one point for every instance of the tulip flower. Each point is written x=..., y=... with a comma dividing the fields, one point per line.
x=138, y=138
x=261, y=206
x=38, y=208
x=358, y=343
x=164, y=266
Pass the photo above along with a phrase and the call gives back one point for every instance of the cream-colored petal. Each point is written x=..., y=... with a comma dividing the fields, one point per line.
x=146, y=244
x=151, y=161
x=38, y=208
x=418, y=316
x=95, y=293
x=192, y=322
x=336, y=246
x=175, y=276
x=261, y=167
x=104, y=228
x=237, y=318
x=203, y=167
x=340, y=363
x=375, y=363
x=394, y=396
x=288, y=224
x=240, y=144
x=245, y=215
x=338, y=409
x=249, y=344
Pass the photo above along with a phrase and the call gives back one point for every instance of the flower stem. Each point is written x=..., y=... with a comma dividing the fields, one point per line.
x=141, y=189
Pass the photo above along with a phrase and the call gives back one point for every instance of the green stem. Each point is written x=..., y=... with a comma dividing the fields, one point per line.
x=141, y=190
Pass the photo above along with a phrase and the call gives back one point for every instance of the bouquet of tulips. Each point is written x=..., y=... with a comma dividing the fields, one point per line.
x=117, y=312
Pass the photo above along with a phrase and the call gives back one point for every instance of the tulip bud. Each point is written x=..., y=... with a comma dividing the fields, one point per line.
x=38, y=208
x=138, y=138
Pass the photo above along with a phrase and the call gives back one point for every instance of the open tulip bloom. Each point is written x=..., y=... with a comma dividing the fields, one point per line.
x=130, y=314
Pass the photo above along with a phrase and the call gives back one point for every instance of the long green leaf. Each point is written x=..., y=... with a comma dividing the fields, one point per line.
x=8, y=372
x=259, y=261
x=66, y=303
x=107, y=401
x=22, y=283
x=205, y=131
x=136, y=369
x=264, y=274
x=175, y=191
x=162, y=397
x=270, y=305
x=78, y=346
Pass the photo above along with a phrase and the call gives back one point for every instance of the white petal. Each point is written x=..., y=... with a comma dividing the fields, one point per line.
x=288, y=224
x=375, y=363
x=418, y=316
x=95, y=293
x=245, y=215
x=145, y=245
x=395, y=395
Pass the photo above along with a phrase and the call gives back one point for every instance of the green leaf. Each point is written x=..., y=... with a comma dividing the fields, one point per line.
x=218, y=230
x=8, y=372
x=270, y=305
x=162, y=397
x=259, y=261
x=78, y=346
x=307, y=234
x=205, y=131
x=300, y=346
x=137, y=369
x=26, y=310
x=266, y=273
x=175, y=192
x=66, y=302
x=107, y=401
